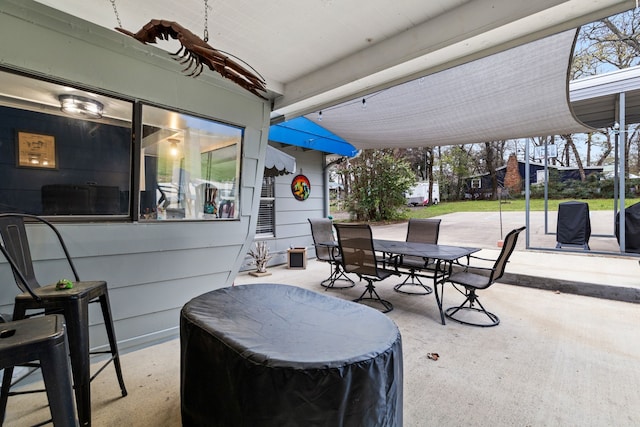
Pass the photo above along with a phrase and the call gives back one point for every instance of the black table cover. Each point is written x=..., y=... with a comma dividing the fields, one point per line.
x=574, y=224
x=279, y=355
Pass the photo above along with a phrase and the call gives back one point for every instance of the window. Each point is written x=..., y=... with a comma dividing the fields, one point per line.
x=476, y=183
x=78, y=163
x=267, y=212
x=190, y=167
x=54, y=163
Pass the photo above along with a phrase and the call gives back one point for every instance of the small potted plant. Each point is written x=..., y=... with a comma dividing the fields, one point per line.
x=260, y=258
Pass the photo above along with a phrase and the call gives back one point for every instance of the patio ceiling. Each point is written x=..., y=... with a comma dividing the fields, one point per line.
x=322, y=53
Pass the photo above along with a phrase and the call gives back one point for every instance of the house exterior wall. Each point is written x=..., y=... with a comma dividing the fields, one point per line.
x=291, y=216
x=152, y=269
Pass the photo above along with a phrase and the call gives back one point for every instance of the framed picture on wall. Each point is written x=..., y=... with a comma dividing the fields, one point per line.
x=36, y=150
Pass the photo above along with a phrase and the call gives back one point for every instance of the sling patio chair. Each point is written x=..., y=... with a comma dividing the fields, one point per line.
x=476, y=278
x=418, y=231
x=359, y=257
x=327, y=250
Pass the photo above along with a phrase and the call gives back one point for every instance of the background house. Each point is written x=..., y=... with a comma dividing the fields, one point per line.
x=480, y=186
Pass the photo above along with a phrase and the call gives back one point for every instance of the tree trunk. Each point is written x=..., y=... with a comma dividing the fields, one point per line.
x=490, y=159
x=572, y=146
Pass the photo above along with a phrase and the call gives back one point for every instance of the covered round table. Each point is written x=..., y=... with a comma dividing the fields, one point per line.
x=279, y=355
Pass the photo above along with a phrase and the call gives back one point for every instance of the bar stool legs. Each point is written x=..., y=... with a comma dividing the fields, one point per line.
x=44, y=339
x=75, y=308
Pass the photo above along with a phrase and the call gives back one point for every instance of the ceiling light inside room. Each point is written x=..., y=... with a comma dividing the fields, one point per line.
x=80, y=106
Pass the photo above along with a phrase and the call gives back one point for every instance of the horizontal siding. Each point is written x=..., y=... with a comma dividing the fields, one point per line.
x=292, y=227
x=151, y=269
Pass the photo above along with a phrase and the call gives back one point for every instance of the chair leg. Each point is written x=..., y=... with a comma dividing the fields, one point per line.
x=19, y=313
x=373, y=296
x=337, y=273
x=76, y=315
x=113, y=345
x=472, y=299
x=4, y=396
x=416, y=283
x=57, y=380
x=76, y=312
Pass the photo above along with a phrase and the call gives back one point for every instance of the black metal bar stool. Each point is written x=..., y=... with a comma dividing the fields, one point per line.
x=72, y=302
x=43, y=339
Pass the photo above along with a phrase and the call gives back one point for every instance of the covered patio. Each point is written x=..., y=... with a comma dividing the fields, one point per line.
x=559, y=356
x=556, y=358
x=553, y=360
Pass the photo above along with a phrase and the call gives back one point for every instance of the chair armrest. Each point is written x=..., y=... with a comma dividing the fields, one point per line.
x=481, y=258
x=478, y=270
x=466, y=268
x=469, y=257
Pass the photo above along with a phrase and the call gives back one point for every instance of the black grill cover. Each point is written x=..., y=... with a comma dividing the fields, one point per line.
x=574, y=225
x=278, y=355
x=631, y=228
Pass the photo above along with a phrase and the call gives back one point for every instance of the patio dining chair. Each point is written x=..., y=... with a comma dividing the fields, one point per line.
x=471, y=279
x=72, y=302
x=418, y=231
x=359, y=257
x=323, y=238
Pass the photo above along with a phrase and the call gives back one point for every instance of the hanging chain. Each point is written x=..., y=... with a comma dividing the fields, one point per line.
x=115, y=10
x=206, y=20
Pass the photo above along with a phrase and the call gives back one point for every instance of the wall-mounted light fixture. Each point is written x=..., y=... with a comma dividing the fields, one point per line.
x=80, y=106
x=173, y=149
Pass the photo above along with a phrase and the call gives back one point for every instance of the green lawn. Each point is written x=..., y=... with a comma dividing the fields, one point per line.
x=510, y=205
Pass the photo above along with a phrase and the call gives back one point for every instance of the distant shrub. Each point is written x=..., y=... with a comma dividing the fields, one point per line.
x=595, y=187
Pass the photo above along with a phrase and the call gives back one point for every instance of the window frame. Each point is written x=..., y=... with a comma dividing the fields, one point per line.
x=267, y=195
x=139, y=126
x=52, y=86
x=49, y=89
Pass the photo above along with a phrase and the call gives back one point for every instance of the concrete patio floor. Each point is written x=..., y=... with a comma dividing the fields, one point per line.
x=556, y=359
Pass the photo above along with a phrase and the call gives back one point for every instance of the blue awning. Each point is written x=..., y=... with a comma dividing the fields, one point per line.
x=302, y=132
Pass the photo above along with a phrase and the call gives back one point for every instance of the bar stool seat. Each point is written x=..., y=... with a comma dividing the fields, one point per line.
x=43, y=339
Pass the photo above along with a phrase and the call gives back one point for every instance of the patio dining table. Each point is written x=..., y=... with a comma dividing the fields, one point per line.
x=444, y=257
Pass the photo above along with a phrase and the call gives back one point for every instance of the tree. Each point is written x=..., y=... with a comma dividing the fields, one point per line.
x=421, y=160
x=493, y=159
x=456, y=164
x=378, y=181
x=571, y=147
x=610, y=43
